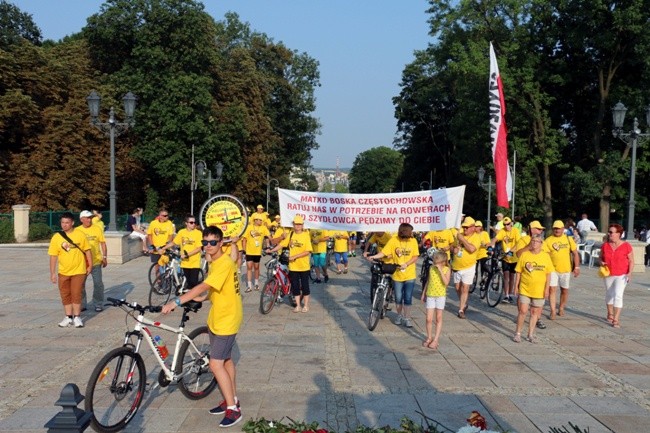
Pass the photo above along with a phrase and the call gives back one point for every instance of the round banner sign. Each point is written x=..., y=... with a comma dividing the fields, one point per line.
x=226, y=212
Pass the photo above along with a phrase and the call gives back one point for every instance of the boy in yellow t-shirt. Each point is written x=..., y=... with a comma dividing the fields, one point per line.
x=254, y=239
x=189, y=242
x=224, y=319
x=435, y=296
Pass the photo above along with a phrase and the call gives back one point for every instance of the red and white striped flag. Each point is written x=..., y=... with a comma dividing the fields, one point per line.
x=498, y=134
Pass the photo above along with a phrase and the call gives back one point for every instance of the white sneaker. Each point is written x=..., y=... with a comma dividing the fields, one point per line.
x=407, y=323
x=65, y=322
x=398, y=320
x=77, y=322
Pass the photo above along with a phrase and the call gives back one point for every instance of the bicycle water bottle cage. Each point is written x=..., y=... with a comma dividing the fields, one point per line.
x=284, y=257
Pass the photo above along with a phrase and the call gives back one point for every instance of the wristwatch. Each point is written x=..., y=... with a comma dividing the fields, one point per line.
x=177, y=300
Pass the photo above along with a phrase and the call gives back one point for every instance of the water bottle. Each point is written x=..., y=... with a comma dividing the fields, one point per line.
x=160, y=345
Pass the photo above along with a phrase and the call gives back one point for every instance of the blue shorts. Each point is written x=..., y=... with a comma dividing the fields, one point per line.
x=341, y=258
x=221, y=345
x=318, y=259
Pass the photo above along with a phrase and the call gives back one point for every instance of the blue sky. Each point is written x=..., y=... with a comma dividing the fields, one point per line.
x=362, y=47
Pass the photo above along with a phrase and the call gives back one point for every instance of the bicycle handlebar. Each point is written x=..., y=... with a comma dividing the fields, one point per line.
x=134, y=305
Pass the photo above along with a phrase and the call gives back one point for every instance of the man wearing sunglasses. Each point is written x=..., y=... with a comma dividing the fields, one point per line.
x=189, y=242
x=509, y=237
x=224, y=319
x=159, y=233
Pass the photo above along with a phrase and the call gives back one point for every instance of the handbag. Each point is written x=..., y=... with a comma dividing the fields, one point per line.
x=603, y=271
x=67, y=238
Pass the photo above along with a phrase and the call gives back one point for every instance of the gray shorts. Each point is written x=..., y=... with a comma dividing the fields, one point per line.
x=221, y=346
x=534, y=302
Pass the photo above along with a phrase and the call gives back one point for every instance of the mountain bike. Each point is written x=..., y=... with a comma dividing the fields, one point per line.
x=491, y=283
x=117, y=384
x=329, y=253
x=278, y=285
x=426, y=266
x=169, y=279
x=382, y=293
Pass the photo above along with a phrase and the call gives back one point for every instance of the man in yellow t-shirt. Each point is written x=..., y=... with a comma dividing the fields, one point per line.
x=224, y=319
x=508, y=237
x=319, y=252
x=440, y=240
x=482, y=254
x=70, y=250
x=378, y=238
x=259, y=211
x=188, y=240
x=299, y=243
x=97, y=219
x=341, y=238
x=463, y=262
x=254, y=238
x=95, y=237
x=561, y=247
x=159, y=233
x=533, y=275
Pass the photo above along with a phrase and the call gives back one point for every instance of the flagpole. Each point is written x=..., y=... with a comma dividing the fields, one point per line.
x=514, y=182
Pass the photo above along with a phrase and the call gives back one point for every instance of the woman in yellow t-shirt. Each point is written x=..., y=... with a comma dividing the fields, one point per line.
x=341, y=238
x=435, y=296
x=299, y=243
x=533, y=275
x=403, y=251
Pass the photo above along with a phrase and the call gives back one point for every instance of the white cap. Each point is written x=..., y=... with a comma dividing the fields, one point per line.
x=85, y=214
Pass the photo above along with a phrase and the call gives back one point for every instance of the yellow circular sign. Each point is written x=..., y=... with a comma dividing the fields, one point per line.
x=227, y=216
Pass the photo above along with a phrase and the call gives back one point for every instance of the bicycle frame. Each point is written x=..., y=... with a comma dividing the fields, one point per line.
x=281, y=275
x=141, y=330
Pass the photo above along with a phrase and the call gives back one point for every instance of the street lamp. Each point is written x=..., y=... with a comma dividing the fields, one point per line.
x=631, y=139
x=201, y=168
x=487, y=187
x=113, y=129
x=422, y=183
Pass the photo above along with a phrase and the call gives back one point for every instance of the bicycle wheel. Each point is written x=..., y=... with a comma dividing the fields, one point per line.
x=495, y=289
x=312, y=273
x=196, y=381
x=483, y=285
x=475, y=282
x=377, y=307
x=268, y=295
x=161, y=289
x=115, y=389
x=152, y=276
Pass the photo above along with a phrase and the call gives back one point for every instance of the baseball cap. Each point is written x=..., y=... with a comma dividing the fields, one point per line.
x=478, y=224
x=558, y=224
x=298, y=220
x=85, y=214
x=537, y=225
x=277, y=217
x=499, y=214
x=468, y=222
x=507, y=220
x=259, y=206
x=257, y=217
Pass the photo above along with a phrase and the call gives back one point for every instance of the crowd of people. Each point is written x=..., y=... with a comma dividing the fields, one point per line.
x=533, y=269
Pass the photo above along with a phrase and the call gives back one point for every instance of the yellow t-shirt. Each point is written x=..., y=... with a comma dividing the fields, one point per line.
x=381, y=241
x=561, y=248
x=94, y=236
x=189, y=240
x=226, y=314
x=533, y=269
x=255, y=239
x=99, y=223
x=72, y=261
x=298, y=243
x=160, y=232
x=318, y=242
x=436, y=286
x=341, y=238
x=485, y=242
x=440, y=239
x=467, y=259
x=509, y=241
x=401, y=251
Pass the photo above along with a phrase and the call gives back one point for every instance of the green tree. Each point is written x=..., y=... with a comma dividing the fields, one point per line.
x=376, y=170
x=16, y=25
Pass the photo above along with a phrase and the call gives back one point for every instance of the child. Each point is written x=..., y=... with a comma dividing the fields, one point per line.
x=435, y=295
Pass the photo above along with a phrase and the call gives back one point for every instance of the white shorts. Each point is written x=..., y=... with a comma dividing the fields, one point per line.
x=563, y=278
x=437, y=302
x=466, y=276
x=137, y=235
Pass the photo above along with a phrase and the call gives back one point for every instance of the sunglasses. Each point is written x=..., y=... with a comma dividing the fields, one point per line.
x=212, y=243
x=507, y=224
x=191, y=222
x=164, y=215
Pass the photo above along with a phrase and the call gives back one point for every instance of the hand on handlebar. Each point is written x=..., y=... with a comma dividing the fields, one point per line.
x=168, y=307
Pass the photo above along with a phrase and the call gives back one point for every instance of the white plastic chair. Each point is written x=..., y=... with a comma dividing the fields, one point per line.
x=589, y=245
x=595, y=255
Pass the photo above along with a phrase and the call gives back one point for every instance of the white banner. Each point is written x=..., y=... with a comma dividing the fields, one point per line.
x=424, y=210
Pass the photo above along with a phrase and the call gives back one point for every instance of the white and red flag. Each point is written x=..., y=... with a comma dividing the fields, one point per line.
x=498, y=134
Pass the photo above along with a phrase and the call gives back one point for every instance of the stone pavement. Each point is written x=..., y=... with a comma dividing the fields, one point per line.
x=326, y=366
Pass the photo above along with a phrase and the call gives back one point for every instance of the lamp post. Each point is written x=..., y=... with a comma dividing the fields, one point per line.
x=632, y=139
x=422, y=183
x=113, y=129
x=201, y=168
x=487, y=187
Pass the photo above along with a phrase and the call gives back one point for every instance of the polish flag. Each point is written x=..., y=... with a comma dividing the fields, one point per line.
x=498, y=134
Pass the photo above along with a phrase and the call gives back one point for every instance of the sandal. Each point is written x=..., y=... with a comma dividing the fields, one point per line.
x=426, y=342
x=297, y=309
x=532, y=339
x=432, y=346
x=305, y=309
x=517, y=338
x=615, y=324
x=561, y=312
x=610, y=318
